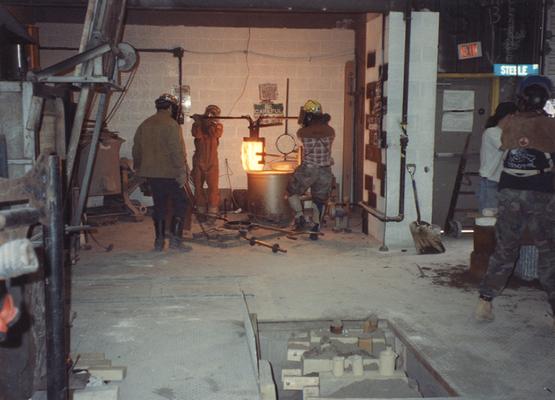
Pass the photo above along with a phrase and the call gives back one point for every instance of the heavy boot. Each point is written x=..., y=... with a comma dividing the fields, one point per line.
x=484, y=310
x=176, y=239
x=213, y=213
x=160, y=232
x=201, y=214
x=300, y=223
x=315, y=228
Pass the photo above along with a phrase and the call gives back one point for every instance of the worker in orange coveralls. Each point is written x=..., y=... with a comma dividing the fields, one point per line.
x=207, y=131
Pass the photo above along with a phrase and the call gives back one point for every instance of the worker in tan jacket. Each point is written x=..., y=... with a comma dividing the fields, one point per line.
x=159, y=156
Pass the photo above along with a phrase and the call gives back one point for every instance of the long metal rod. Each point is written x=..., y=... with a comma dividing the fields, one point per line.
x=287, y=107
x=76, y=131
x=87, y=176
x=56, y=344
x=72, y=62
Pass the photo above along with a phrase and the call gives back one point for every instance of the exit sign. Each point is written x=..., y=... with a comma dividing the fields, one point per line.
x=516, y=69
x=469, y=50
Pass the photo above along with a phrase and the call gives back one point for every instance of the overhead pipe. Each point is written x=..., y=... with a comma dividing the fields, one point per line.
x=404, y=140
x=323, y=6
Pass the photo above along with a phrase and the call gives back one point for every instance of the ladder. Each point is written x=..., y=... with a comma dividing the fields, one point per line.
x=451, y=226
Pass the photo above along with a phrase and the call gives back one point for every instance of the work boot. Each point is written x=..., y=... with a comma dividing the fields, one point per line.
x=201, y=214
x=484, y=310
x=176, y=239
x=300, y=223
x=315, y=228
x=160, y=232
x=213, y=213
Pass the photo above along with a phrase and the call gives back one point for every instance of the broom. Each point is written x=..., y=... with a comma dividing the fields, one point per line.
x=427, y=237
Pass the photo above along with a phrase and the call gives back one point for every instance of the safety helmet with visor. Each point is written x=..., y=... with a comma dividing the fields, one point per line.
x=212, y=110
x=533, y=92
x=312, y=106
x=166, y=101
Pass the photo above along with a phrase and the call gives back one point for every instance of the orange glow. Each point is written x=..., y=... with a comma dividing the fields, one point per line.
x=251, y=155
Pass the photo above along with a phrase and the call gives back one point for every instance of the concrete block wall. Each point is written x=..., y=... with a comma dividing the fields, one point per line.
x=421, y=119
x=218, y=70
x=374, y=33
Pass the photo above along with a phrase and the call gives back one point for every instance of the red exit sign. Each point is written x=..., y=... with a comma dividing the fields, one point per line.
x=469, y=50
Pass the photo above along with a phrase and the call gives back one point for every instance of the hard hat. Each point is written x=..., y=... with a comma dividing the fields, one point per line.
x=213, y=109
x=166, y=98
x=533, y=92
x=312, y=106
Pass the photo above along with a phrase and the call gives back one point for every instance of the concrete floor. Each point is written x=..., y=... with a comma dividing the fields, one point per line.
x=175, y=319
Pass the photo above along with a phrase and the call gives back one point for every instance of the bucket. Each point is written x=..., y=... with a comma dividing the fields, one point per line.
x=266, y=196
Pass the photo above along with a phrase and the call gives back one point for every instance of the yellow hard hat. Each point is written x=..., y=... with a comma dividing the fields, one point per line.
x=312, y=106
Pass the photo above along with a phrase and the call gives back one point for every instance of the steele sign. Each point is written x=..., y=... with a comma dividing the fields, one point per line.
x=516, y=69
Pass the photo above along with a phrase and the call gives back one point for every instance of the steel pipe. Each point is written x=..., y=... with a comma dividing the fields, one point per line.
x=56, y=340
x=18, y=217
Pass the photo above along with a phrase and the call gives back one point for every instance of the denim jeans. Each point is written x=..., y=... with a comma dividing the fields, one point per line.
x=487, y=195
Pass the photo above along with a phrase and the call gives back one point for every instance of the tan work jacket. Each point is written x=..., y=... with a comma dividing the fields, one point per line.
x=159, y=148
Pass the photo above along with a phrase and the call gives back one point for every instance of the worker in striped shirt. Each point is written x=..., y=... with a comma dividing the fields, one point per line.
x=315, y=170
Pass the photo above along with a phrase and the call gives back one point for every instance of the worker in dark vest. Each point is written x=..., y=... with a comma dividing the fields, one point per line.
x=526, y=195
x=207, y=132
x=159, y=156
x=315, y=169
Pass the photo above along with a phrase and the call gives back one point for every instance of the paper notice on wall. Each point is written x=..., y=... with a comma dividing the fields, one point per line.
x=458, y=100
x=457, y=121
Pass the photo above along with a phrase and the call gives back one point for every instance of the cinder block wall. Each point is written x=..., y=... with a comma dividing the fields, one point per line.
x=421, y=119
x=219, y=71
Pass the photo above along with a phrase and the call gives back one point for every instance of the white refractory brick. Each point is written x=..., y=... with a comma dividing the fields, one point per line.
x=316, y=365
x=298, y=341
x=310, y=391
x=97, y=393
x=266, y=381
x=316, y=335
x=345, y=338
x=290, y=372
x=299, y=382
x=296, y=351
x=108, y=374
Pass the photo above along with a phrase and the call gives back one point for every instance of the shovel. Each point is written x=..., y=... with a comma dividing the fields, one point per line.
x=427, y=237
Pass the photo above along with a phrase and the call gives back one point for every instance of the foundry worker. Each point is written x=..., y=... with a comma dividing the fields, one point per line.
x=207, y=131
x=491, y=155
x=159, y=156
x=526, y=195
x=315, y=169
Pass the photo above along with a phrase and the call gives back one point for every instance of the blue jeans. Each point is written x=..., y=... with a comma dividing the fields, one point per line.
x=487, y=195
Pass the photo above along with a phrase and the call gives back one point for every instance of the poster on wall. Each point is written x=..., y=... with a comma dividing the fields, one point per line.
x=271, y=113
x=458, y=111
x=458, y=100
x=457, y=121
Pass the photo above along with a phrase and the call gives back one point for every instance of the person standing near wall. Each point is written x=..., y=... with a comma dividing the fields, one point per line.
x=491, y=155
x=207, y=131
x=315, y=169
x=526, y=195
x=159, y=156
